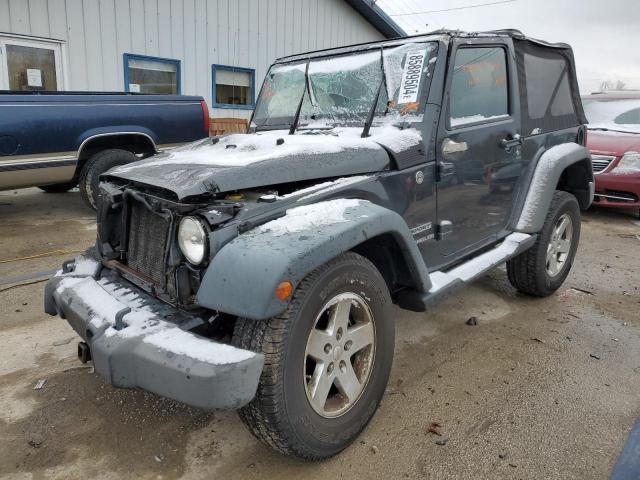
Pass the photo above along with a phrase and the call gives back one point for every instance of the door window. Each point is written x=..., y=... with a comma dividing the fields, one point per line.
x=30, y=65
x=479, y=89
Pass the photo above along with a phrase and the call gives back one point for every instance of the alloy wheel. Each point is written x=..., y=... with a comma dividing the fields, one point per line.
x=559, y=245
x=339, y=355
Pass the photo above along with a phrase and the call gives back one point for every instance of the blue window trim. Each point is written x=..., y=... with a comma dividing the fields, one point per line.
x=251, y=71
x=132, y=56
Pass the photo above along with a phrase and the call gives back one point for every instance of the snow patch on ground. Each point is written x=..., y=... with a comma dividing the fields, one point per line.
x=308, y=217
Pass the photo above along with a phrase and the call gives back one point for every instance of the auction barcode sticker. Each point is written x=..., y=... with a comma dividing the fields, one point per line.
x=411, y=75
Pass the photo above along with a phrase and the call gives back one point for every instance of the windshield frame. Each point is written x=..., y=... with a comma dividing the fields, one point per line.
x=426, y=78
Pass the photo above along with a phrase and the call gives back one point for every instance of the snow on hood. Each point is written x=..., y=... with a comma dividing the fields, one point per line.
x=241, y=150
x=243, y=161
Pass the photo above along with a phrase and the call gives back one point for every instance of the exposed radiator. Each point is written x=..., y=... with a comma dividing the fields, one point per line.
x=148, y=234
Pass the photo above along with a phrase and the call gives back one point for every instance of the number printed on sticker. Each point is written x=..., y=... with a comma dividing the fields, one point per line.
x=411, y=75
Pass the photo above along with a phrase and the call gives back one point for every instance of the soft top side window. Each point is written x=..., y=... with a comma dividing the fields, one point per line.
x=549, y=96
x=479, y=88
x=548, y=91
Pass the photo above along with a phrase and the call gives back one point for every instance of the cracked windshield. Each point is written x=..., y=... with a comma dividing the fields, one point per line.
x=342, y=90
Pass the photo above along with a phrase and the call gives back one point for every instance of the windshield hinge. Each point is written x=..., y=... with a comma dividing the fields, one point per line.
x=444, y=228
x=438, y=172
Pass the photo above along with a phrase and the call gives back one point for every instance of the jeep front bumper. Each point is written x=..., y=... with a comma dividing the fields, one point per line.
x=138, y=341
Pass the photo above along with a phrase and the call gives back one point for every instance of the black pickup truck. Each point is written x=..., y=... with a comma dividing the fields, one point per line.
x=57, y=140
x=258, y=271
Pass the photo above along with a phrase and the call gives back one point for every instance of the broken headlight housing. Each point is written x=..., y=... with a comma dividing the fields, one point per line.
x=192, y=238
x=630, y=162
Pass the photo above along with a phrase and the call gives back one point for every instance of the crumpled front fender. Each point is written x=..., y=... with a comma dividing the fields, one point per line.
x=242, y=277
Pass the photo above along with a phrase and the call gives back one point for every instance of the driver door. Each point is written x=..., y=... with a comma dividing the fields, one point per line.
x=478, y=151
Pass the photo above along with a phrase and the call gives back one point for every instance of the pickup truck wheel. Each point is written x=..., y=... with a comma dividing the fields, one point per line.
x=96, y=166
x=327, y=360
x=541, y=269
x=58, y=187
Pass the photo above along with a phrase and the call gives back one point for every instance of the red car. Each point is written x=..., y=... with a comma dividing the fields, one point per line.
x=614, y=141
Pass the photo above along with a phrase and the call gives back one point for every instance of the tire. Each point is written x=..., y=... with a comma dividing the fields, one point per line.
x=96, y=166
x=532, y=272
x=58, y=187
x=282, y=414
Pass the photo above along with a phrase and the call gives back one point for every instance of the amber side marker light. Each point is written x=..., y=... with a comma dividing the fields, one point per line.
x=284, y=290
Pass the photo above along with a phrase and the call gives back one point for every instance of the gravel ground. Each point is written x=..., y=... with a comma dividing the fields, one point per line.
x=539, y=388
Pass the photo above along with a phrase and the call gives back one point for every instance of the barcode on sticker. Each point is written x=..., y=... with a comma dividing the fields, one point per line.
x=411, y=75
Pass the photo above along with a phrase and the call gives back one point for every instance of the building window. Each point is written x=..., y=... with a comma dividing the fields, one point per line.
x=30, y=65
x=144, y=74
x=233, y=87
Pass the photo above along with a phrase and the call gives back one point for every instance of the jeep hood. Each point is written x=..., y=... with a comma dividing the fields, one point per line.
x=241, y=161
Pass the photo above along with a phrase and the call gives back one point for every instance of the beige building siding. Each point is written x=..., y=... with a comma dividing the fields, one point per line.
x=199, y=33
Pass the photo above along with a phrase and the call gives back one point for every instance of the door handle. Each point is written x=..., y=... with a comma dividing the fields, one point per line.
x=449, y=146
x=511, y=141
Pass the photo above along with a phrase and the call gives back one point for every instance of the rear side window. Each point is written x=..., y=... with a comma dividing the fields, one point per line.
x=549, y=96
x=478, y=89
x=548, y=91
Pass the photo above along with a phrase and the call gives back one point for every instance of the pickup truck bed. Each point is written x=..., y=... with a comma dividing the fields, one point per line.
x=47, y=138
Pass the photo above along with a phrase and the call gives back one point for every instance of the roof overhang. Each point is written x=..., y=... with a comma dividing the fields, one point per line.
x=377, y=17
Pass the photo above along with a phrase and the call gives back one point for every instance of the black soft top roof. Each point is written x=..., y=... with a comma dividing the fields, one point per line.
x=423, y=37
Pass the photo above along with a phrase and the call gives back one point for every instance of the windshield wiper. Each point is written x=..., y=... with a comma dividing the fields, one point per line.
x=296, y=118
x=372, y=112
x=604, y=129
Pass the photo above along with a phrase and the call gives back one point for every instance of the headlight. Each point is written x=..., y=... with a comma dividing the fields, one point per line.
x=192, y=238
x=630, y=162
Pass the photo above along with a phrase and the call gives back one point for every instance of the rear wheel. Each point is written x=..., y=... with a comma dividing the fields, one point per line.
x=543, y=268
x=58, y=187
x=327, y=360
x=96, y=166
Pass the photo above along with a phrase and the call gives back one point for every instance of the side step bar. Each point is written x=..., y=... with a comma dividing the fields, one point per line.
x=446, y=282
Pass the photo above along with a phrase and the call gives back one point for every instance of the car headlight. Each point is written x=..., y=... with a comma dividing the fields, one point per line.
x=192, y=238
x=630, y=162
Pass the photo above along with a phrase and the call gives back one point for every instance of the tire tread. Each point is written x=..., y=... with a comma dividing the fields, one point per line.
x=523, y=271
x=264, y=415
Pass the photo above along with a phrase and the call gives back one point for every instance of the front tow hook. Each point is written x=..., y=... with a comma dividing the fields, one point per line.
x=84, y=352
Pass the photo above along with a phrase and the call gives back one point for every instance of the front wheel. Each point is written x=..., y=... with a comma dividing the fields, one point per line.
x=543, y=268
x=327, y=360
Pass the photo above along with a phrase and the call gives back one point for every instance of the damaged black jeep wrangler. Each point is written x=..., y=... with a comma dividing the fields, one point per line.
x=258, y=271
